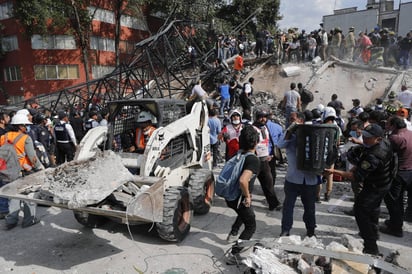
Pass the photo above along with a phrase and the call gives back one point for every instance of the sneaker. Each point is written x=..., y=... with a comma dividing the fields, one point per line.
x=3, y=215
x=327, y=197
x=386, y=230
x=232, y=237
x=32, y=222
x=234, y=259
x=9, y=226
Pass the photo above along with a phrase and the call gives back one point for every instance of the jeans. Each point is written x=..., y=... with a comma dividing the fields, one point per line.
x=224, y=104
x=4, y=202
x=246, y=216
x=29, y=211
x=404, y=58
x=307, y=194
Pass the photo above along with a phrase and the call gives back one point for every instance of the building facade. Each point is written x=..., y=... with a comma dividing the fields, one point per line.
x=381, y=13
x=37, y=65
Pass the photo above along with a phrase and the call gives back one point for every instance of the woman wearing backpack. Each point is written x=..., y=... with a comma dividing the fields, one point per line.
x=28, y=163
x=242, y=205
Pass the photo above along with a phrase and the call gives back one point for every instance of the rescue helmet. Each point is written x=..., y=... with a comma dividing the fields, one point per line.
x=39, y=118
x=261, y=113
x=23, y=111
x=392, y=95
x=235, y=112
x=351, y=28
x=316, y=113
x=144, y=116
x=328, y=112
x=320, y=108
x=20, y=119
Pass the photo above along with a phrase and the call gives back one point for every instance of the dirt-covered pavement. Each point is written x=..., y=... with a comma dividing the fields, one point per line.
x=58, y=244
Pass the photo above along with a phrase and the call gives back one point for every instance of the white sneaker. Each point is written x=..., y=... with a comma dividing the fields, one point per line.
x=231, y=238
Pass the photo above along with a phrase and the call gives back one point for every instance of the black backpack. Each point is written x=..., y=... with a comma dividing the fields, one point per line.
x=306, y=96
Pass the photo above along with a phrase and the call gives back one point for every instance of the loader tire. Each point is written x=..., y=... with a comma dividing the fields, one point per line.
x=177, y=214
x=89, y=220
x=202, y=187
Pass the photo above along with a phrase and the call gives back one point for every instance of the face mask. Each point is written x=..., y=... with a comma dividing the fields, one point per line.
x=353, y=134
x=235, y=122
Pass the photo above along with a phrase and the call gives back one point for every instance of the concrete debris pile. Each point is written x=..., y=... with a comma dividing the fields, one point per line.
x=82, y=183
x=309, y=256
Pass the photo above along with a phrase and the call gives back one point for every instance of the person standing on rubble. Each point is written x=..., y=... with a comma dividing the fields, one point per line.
x=291, y=102
x=374, y=166
x=350, y=43
x=297, y=182
x=248, y=140
x=365, y=45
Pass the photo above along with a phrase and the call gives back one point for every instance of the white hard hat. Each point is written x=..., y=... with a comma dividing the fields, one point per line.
x=144, y=116
x=320, y=107
x=20, y=119
x=23, y=111
x=241, y=46
x=235, y=111
x=328, y=112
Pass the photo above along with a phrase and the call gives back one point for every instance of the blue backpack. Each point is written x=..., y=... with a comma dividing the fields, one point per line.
x=227, y=183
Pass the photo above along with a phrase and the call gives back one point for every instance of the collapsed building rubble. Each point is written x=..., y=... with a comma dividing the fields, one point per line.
x=291, y=254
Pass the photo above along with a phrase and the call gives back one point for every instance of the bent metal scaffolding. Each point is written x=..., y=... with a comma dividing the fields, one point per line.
x=158, y=69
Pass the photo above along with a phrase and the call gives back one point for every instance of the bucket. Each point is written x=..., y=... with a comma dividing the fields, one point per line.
x=316, y=147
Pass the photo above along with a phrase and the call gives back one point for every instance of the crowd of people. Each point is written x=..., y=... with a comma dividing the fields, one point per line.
x=379, y=47
x=378, y=163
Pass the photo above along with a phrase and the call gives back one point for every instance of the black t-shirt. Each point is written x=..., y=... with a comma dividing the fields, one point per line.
x=252, y=163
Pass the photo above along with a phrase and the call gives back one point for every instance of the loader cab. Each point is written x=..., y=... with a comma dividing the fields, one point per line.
x=124, y=119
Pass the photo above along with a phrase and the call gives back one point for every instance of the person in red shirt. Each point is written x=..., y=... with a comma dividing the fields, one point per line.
x=238, y=64
x=365, y=45
x=230, y=134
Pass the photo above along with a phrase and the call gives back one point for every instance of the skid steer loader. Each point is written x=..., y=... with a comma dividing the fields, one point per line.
x=164, y=185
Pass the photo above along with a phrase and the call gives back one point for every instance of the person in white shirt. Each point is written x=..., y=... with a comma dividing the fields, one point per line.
x=291, y=102
x=405, y=97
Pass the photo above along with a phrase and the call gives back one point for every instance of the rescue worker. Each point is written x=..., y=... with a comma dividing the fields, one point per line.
x=336, y=42
x=365, y=45
x=374, y=166
x=28, y=162
x=144, y=131
x=238, y=63
x=350, y=43
x=66, y=142
x=231, y=132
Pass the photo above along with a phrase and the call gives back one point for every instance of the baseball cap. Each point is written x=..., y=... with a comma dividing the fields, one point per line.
x=372, y=130
x=402, y=112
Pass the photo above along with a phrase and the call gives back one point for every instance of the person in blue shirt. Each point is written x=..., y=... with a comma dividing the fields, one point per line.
x=297, y=182
x=275, y=133
x=224, y=96
x=215, y=127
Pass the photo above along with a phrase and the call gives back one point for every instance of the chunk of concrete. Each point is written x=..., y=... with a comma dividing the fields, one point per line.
x=291, y=71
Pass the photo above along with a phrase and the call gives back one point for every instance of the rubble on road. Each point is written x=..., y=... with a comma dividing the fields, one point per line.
x=293, y=255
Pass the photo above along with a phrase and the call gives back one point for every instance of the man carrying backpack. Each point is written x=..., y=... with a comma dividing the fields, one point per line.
x=28, y=163
x=243, y=203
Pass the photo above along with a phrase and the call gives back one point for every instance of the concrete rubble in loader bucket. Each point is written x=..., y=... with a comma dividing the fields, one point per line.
x=82, y=183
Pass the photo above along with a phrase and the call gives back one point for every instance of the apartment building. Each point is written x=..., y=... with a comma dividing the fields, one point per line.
x=37, y=65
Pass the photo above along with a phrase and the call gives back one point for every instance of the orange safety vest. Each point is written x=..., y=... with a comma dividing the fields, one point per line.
x=140, y=137
x=19, y=147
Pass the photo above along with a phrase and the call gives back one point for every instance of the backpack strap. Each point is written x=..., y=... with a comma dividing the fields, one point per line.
x=17, y=138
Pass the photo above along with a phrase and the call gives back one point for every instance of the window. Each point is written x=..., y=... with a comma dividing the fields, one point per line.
x=100, y=43
x=9, y=43
x=53, y=42
x=102, y=15
x=100, y=71
x=12, y=74
x=126, y=47
x=6, y=10
x=133, y=22
x=56, y=72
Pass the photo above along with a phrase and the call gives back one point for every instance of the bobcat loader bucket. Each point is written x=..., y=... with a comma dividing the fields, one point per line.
x=98, y=186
